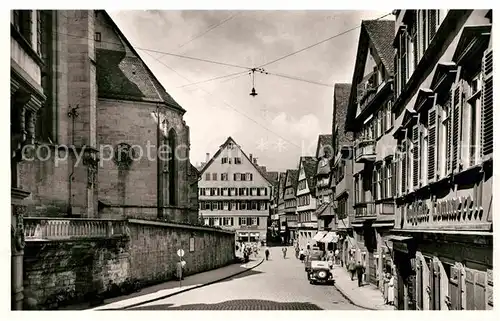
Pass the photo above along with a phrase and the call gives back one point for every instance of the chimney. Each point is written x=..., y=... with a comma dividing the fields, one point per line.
x=251, y=158
x=207, y=158
x=255, y=161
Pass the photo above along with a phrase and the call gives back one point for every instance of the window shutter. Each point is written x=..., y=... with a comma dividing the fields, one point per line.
x=395, y=172
x=416, y=155
x=448, y=135
x=396, y=70
x=403, y=169
x=432, y=24
x=431, y=145
x=258, y=221
x=374, y=184
x=457, y=122
x=487, y=104
x=415, y=41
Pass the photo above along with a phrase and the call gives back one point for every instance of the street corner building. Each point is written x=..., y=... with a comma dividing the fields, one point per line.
x=235, y=193
x=421, y=112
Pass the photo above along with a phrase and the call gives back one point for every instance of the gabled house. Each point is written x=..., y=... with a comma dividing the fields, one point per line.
x=273, y=220
x=306, y=200
x=324, y=153
x=341, y=179
x=289, y=219
x=369, y=117
x=235, y=194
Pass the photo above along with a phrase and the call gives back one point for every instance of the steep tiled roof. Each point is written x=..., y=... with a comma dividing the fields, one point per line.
x=127, y=77
x=340, y=103
x=310, y=164
x=260, y=169
x=293, y=174
x=193, y=175
x=324, y=140
x=381, y=33
x=281, y=185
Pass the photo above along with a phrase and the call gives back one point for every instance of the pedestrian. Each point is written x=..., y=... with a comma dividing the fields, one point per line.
x=308, y=246
x=297, y=252
x=360, y=269
x=267, y=254
x=329, y=259
x=302, y=255
x=336, y=255
x=284, y=252
x=386, y=287
x=390, y=290
x=351, y=267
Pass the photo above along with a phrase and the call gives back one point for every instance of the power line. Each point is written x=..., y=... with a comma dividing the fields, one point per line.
x=299, y=79
x=161, y=52
x=318, y=43
x=215, y=78
x=208, y=30
x=226, y=103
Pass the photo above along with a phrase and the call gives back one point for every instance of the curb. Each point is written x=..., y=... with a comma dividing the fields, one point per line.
x=186, y=290
x=351, y=300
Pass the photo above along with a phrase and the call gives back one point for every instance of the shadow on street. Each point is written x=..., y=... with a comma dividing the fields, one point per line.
x=237, y=305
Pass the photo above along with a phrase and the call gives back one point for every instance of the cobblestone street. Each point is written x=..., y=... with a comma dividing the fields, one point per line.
x=277, y=284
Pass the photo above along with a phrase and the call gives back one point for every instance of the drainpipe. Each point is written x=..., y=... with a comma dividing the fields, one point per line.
x=73, y=114
x=159, y=190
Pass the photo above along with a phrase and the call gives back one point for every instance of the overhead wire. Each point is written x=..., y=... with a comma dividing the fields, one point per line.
x=226, y=103
x=317, y=43
x=159, y=51
x=212, y=27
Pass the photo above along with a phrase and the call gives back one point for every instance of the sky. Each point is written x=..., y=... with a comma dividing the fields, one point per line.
x=284, y=120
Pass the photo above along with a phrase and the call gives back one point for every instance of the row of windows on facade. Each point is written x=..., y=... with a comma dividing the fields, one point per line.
x=225, y=176
x=229, y=221
x=303, y=200
x=230, y=160
x=234, y=206
x=383, y=182
x=35, y=28
x=412, y=41
x=233, y=191
x=381, y=122
x=453, y=135
x=443, y=139
x=290, y=203
x=305, y=217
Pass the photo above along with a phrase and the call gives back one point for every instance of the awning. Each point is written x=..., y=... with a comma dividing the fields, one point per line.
x=243, y=234
x=399, y=238
x=331, y=237
x=319, y=235
x=254, y=234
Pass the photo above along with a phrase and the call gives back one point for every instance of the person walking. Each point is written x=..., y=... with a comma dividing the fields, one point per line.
x=284, y=252
x=386, y=287
x=267, y=254
x=351, y=267
x=302, y=256
x=390, y=290
x=360, y=269
x=297, y=252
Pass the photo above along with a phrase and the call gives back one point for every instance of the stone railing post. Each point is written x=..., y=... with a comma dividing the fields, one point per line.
x=17, y=250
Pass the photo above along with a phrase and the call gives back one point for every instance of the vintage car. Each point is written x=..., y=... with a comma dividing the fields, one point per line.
x=320, y=272
x=313, y=256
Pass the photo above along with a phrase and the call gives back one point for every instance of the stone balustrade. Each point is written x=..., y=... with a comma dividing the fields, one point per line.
x=52, y=228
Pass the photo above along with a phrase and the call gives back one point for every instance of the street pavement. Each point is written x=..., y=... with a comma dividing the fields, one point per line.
x=277, y=284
